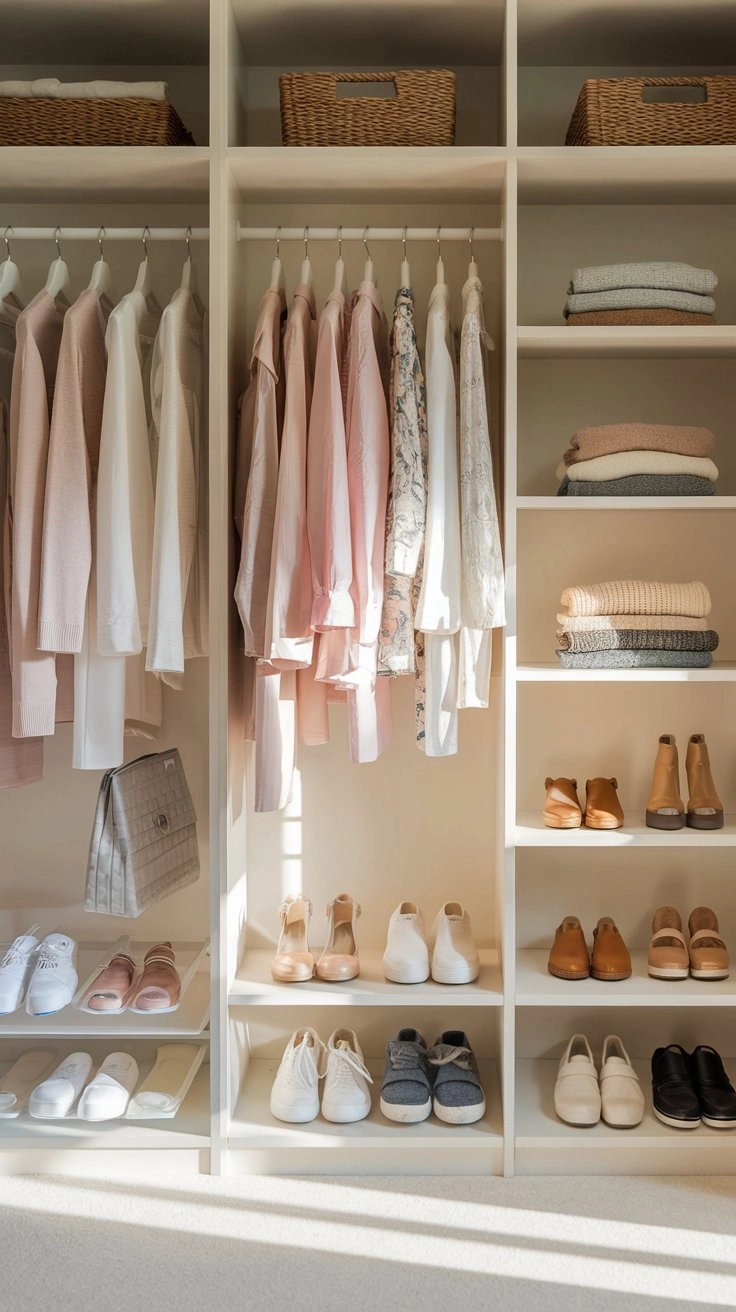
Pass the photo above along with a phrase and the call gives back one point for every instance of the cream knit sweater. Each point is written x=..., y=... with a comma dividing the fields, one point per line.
x=635, y=597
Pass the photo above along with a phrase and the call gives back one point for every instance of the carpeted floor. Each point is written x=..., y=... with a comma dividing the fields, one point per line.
x=262, y=1243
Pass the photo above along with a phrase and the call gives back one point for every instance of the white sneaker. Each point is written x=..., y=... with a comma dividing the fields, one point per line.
x=455, y=957
x=622, y=1099
x=58, y=1094
x=15, y=970
x=577, y=1096
x=295, y=1092
x=54, y=979
x=346, y=1095
x=406, y=959
x=107, y=1095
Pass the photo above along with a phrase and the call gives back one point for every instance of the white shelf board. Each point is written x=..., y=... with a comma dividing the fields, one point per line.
x=253, y=1126
x=629, y=32
x=92, y=174
x=336, y=173
x=626, y=503
x=538, y=1126
x=542, y=672
x=618, y=175
x=535, y=987
x=253, y=985
x=190, y=1128
x=558, y=342
x=532, y=832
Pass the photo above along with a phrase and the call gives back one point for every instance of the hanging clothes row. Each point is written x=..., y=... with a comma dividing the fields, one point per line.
x=366, y=508
x=103, y=496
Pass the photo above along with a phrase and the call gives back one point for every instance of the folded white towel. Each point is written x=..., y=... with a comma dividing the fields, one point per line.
x=51, y=87
x=667, y=274
x=621, y=464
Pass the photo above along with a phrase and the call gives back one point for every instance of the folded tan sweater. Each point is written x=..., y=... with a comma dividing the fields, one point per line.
x=592, y=623
x=604, y=440
x=622, y=464
x=637, y=597
x=640, y=317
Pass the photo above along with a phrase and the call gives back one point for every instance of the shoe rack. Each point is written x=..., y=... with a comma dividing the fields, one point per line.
x=468, y=828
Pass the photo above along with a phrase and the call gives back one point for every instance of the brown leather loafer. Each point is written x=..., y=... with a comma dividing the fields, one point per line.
x=602, y=807
x=611, y=959
x=569, y=957
x=562, y=809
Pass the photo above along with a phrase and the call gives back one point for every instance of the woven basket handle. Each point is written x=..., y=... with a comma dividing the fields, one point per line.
x=704, y=82
x=395, y=78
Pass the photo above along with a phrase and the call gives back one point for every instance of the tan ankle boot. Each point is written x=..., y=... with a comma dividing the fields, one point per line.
x=704, y=808
x=665, y=808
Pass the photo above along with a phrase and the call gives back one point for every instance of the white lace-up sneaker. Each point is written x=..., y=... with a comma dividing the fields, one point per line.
x=54, y=979
x=406, y=959
x=295, y=1092
x=346, y=1095
x=15, y=971
x=455, y=957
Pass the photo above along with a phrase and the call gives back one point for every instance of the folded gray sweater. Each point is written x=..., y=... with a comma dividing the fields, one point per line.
x=627, y=298
x=629, y=660
x=668, y=274
x=640, y=485
x=639, y=640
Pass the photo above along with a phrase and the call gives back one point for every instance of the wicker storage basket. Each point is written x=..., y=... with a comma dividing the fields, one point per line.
x=53, y=121
x=611, y=111
x=421, y=114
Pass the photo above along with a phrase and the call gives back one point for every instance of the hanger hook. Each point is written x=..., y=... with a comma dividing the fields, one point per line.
x=7, y=243
x=57, y=232
x=306, y=243
x=188, y=240
x=365, y=243
x=146, y=233
x=470, y=243
x=100, y=235
x=278, y=242
x=439, y=248
x=339, y=242
x=403, y=242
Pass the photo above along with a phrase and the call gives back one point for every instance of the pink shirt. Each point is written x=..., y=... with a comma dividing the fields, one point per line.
x=328, y=509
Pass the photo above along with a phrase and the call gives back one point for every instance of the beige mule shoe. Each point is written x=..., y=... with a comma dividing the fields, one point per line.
x=667, y=957
x=292, y=961
x=562, y=809
x=708, y=952
x=339, y=959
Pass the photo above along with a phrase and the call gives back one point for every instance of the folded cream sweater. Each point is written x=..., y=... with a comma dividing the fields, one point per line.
x=595, y=623
x=637, y=597
x=606, y=439
x=621, y=464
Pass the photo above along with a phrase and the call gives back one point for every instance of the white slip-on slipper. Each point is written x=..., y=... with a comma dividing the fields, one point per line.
x=106, y=1097
x=55, y=1098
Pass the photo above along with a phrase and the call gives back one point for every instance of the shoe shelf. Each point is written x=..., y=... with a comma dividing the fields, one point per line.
x=561, y=342
x=544, y=1143
x=254, y=985
x=535, y=987
x=190, y=1018
x=469, y=1148
x=625, y=503
x=552, y=672
x=532, y=832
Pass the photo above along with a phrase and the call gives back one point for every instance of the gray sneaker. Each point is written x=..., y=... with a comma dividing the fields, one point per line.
x=406, y=1092
x=458, y=1095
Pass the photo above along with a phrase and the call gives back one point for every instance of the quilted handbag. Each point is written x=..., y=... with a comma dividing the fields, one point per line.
x=144, y=839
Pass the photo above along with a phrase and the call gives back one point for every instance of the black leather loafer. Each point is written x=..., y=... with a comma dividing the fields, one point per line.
x=714, y=1089
x=674, y=1099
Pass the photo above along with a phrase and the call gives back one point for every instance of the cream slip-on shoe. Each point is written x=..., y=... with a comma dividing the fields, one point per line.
x=622, y=1098
x=577, y=1095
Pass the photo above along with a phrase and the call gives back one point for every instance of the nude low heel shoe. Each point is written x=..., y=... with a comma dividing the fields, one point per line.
x=339, y=959
x=708, y=952
x=704, y=808
x=667, y=957
x=602, y=807
x=610, y=958
x=292, y=961
x=665, y=808
x=562, y=809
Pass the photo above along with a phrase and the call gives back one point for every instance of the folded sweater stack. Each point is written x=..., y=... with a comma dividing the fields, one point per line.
x=634, y=294
x=630, y=623
x=635, y=460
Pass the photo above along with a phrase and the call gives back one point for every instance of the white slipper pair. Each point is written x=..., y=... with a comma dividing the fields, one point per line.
x=104, y=1098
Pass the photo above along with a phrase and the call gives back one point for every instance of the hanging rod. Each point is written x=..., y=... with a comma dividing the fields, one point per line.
x=108, y=234
x=373, y=234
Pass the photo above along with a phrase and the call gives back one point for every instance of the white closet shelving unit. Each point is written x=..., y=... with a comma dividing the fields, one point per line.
x=470, y=827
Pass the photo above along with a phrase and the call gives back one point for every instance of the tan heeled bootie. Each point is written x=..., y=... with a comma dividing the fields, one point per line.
x=665, y=808
x=704, y=808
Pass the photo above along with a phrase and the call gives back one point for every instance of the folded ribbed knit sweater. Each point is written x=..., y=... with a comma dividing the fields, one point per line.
x=625, y=298
x=591, y=623
x=628, y=660
x=637, y=597
x=653, y=273
x=640, y=485
x=639, y=640
x=639, y=318
x=605, y=439
x=621, y=464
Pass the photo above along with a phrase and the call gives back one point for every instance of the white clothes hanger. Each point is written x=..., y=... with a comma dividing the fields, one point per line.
x=340, y=281
x=57, y=282
x=440, y=274
x=189, y=279
x=405, y=279
x=306, y=276
x=143, y=280
x=278, y=282
x=101, y=279
x=11, y=287
x=368, y=267
x=472, y=267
